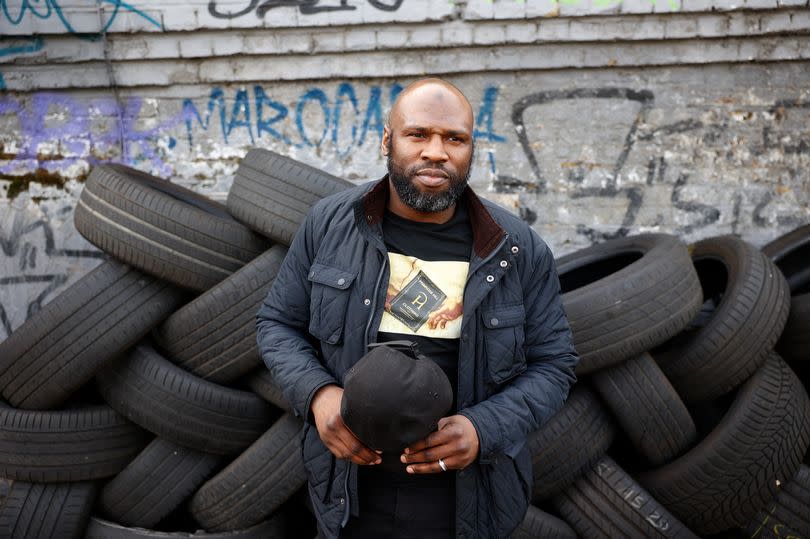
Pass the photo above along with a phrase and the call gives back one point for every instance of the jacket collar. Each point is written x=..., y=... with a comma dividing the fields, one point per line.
x=487, y=233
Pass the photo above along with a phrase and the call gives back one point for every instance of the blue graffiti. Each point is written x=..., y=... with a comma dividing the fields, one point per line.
x=49, y=8
x=264, y=126
x=241, y=106
x=315, y=94
x=346, y=119
x=190, y=112
x=36, y=44
x=486, y=116
x=316, y=117
x=345, y=108
x=345, y=91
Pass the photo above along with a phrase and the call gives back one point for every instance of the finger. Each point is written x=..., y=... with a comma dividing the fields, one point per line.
x=345, y=453
x=343, y=450
x=352, y=447
x=431, y=454
x=428, y=467
x=434, y=452
x=433, y=439
x=356, y=450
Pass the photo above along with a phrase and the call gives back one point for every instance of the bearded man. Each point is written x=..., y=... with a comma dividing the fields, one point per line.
x=418, y=255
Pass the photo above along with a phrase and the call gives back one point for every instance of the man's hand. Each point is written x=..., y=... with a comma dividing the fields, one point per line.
x=456, y=443
x=334, y=433
x=446, y=314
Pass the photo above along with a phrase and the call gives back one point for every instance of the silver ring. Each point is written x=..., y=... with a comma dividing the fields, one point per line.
x=442, y=465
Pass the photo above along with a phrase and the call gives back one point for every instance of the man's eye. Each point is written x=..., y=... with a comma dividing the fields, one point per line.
x=419, y=135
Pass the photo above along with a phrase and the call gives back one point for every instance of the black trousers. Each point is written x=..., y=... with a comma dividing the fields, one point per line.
x=397, y=505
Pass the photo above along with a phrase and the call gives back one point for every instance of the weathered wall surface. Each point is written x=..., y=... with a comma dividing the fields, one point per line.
x=594, y=118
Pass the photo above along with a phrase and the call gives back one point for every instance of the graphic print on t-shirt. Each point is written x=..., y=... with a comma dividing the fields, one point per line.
x=424, y=297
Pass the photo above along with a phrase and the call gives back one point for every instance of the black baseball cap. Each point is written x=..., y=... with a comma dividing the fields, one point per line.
x=394, y=396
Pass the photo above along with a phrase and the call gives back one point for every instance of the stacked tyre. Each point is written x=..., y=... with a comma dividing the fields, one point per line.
x=135, y=404
x=686, y=420
x=127, y=409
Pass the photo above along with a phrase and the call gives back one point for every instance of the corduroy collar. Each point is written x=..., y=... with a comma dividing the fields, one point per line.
x=487, y=233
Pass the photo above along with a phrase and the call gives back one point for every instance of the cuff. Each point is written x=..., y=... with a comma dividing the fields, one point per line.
x=308, y=386
x=485, y=455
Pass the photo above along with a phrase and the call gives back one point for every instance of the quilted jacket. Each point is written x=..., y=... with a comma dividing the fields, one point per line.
x=516, y=355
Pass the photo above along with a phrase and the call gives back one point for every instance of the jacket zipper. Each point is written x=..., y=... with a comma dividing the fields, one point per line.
x=374, y=301
x=365, y=338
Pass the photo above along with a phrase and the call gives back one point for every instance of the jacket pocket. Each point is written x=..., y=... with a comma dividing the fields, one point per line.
x=329, y=299
x=503, y=341
x=510, y=486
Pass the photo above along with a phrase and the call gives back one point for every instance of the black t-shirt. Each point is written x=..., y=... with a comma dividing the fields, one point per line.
x=428, y=270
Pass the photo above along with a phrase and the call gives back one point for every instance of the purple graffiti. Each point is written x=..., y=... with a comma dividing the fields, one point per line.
x=97, y=131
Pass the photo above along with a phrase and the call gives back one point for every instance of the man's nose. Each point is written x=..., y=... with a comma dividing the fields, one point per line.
x=434, y=149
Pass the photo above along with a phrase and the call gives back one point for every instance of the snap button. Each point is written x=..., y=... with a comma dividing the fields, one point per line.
x=368, y=217
x=515, y=249
x=494, y=322
x=342, y=501
x=341, y=281
x=311, y=274
x=504, y=263
x=367, y=302
x=490, y=278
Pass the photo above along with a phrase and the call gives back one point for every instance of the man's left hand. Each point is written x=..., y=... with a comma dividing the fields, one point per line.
x=455, y=442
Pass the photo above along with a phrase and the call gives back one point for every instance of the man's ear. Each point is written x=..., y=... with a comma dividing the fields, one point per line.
x=384, y=141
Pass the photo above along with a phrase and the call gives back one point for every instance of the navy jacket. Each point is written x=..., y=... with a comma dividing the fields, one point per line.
x=516, y=355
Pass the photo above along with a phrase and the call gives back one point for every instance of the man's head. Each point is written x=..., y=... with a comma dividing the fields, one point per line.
x=428, y=142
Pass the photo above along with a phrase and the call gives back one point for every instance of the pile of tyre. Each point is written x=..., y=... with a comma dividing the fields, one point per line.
x=135, y=404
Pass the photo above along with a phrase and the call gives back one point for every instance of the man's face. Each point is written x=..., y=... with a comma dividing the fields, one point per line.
x=429, y=148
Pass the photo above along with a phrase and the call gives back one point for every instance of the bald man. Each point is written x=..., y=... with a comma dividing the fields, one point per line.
x=418, y=256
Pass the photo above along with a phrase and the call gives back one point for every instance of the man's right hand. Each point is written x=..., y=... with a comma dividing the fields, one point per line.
x=334, y=433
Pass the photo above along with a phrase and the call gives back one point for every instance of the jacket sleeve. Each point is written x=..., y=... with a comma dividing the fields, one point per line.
x=504, y=420
x=281, y=327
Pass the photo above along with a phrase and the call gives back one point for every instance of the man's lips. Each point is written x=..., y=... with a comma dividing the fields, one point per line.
x=432, y=177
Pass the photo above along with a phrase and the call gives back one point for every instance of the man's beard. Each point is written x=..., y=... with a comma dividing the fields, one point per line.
x=412, y=197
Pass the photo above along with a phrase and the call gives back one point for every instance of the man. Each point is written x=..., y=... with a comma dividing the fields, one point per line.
x=419, y=256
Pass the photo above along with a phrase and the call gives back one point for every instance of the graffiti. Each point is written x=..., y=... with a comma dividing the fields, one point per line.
x=13, y=244
x=58, y=131
x=695, y=214
x=25, y=249
x=634, y=195
x=35, y=44
x=311, y=7
x=643, y=98
x=305, y=7
x=52, y=10
x=315, y=119
x=101, y=130
x=707, y=214
x=273, y=118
